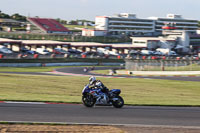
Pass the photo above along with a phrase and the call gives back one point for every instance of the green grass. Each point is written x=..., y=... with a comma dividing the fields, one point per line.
x=37, y=69
x=73, y=27
x=104, y=72
x=68, y=89
x=29, y=69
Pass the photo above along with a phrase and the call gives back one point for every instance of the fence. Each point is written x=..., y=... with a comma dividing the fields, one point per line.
x=162, y=65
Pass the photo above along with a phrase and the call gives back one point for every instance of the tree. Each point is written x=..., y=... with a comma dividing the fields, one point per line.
x=3, y=15
x=19, y=17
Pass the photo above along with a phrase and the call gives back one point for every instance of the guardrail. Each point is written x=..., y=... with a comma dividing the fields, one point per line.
x=54, y=56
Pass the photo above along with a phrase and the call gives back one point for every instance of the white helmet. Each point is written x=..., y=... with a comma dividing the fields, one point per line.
x=92, y=79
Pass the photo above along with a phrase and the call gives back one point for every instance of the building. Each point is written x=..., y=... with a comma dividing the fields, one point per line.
x=153, y=43
x=129, y=24
x=176, y=40
x=8, y=24
x=189, y=25
x=93, y=32
x=195, y=43
x=124, y=23
x=48, y=25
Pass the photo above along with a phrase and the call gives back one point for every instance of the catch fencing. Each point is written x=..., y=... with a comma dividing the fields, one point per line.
x=162, y=65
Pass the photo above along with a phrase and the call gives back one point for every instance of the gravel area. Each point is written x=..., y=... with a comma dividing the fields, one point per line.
x=19, y=128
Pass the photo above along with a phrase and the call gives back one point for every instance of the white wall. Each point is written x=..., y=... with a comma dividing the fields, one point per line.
x=101, y=23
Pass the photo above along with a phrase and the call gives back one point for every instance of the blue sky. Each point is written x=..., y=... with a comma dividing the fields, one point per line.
x=88, y=9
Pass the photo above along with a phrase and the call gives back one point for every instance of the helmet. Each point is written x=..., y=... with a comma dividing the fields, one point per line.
x=92, y=79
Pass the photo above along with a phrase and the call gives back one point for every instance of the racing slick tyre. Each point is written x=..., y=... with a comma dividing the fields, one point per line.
x=119, y=102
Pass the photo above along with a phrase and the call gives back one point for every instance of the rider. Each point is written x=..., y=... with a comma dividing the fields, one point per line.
x=97, y=84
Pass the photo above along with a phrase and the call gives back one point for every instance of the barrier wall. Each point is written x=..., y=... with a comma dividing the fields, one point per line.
x=56, y=64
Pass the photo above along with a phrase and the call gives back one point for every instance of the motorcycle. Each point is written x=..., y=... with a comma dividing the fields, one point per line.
x=91, y=97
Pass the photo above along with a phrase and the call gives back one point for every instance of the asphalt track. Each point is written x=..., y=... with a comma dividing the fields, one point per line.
x=128, y=115
x=79, y=71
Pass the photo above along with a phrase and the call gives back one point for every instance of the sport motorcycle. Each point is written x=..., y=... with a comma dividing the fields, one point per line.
x=94, y=96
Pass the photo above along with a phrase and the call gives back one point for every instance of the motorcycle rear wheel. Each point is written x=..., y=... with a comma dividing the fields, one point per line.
x=118, y=103
x=88, y=100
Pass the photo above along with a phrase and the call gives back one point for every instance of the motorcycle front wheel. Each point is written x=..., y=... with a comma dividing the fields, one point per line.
x=88, y=100
x=119, y=102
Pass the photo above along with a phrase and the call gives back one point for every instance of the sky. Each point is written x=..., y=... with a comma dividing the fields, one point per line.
x=89, y=9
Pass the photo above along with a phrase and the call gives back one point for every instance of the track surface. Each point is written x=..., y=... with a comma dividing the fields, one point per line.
x=69, y=113
x=79, y=70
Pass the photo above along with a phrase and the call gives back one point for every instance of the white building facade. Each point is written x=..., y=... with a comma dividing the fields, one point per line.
x=124, y=23
x=129, y=24
x=178, y=21
x=92, y=32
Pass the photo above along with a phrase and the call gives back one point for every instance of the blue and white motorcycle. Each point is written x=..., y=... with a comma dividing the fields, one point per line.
x=91, y=97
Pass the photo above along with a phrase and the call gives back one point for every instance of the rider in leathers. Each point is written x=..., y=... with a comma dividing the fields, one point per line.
x=97, y=84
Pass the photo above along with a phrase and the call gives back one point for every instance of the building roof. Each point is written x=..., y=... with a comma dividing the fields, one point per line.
x=48, y=25
x=153, y=38
x=9, y=20
x=5, y=40
x=43, y=42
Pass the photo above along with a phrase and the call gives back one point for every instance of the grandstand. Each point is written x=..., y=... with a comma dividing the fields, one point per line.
x=48, y=25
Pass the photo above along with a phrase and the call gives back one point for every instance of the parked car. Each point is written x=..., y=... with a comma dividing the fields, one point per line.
x=42, y=51
x=74, y=51
x=158, y=53
x=5, y=50
x=27, y=51
x=60, y=51
x=133, y=52
x=92, y=53
x=172, y=53
x=146, y=52
x=107, y=52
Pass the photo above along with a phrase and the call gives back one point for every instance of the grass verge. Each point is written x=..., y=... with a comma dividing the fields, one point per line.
x=68, y=89
x=29, y=69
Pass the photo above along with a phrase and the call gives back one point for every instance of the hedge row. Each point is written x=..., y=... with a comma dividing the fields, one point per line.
x=64, y=38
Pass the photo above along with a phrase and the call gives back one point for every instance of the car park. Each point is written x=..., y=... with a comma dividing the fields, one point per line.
x=172, y=53
x=5, y=50
x=42, y=51
x=158, y=53
x=26, y=51
x=146, y=52
x=60, y=51
x=107, y=52
x=133, y=52
x=92, y=53
x=74, y=51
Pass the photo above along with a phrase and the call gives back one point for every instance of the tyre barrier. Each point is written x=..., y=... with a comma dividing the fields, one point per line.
x=35, y=56
x=19, y=56
x=1, y=56
x=53, y=56
x=83, y=56
x=143, y=57
x=164, y=58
